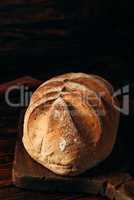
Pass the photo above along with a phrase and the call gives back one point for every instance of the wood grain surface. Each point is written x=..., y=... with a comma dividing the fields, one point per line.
x=29, y=174
x=51, y=35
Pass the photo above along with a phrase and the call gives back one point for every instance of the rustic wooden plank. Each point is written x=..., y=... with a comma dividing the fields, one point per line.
x=8, y=193
x=118, y=193
x=19, y=194
x=33, y=176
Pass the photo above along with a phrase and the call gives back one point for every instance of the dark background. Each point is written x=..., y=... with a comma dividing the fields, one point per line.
x=42, y=38
x=47, y=37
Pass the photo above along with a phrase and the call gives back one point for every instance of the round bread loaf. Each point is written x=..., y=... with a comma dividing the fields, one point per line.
x=71, y=123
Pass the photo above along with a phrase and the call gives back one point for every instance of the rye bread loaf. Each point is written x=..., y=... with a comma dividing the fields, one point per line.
x=71, y=123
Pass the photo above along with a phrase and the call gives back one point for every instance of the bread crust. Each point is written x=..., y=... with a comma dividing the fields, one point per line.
x=69, y=127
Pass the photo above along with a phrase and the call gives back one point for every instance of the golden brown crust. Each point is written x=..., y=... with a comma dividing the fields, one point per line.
x=71, y=125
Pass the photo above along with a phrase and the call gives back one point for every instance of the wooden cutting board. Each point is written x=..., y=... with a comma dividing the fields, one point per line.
x=30, y=175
